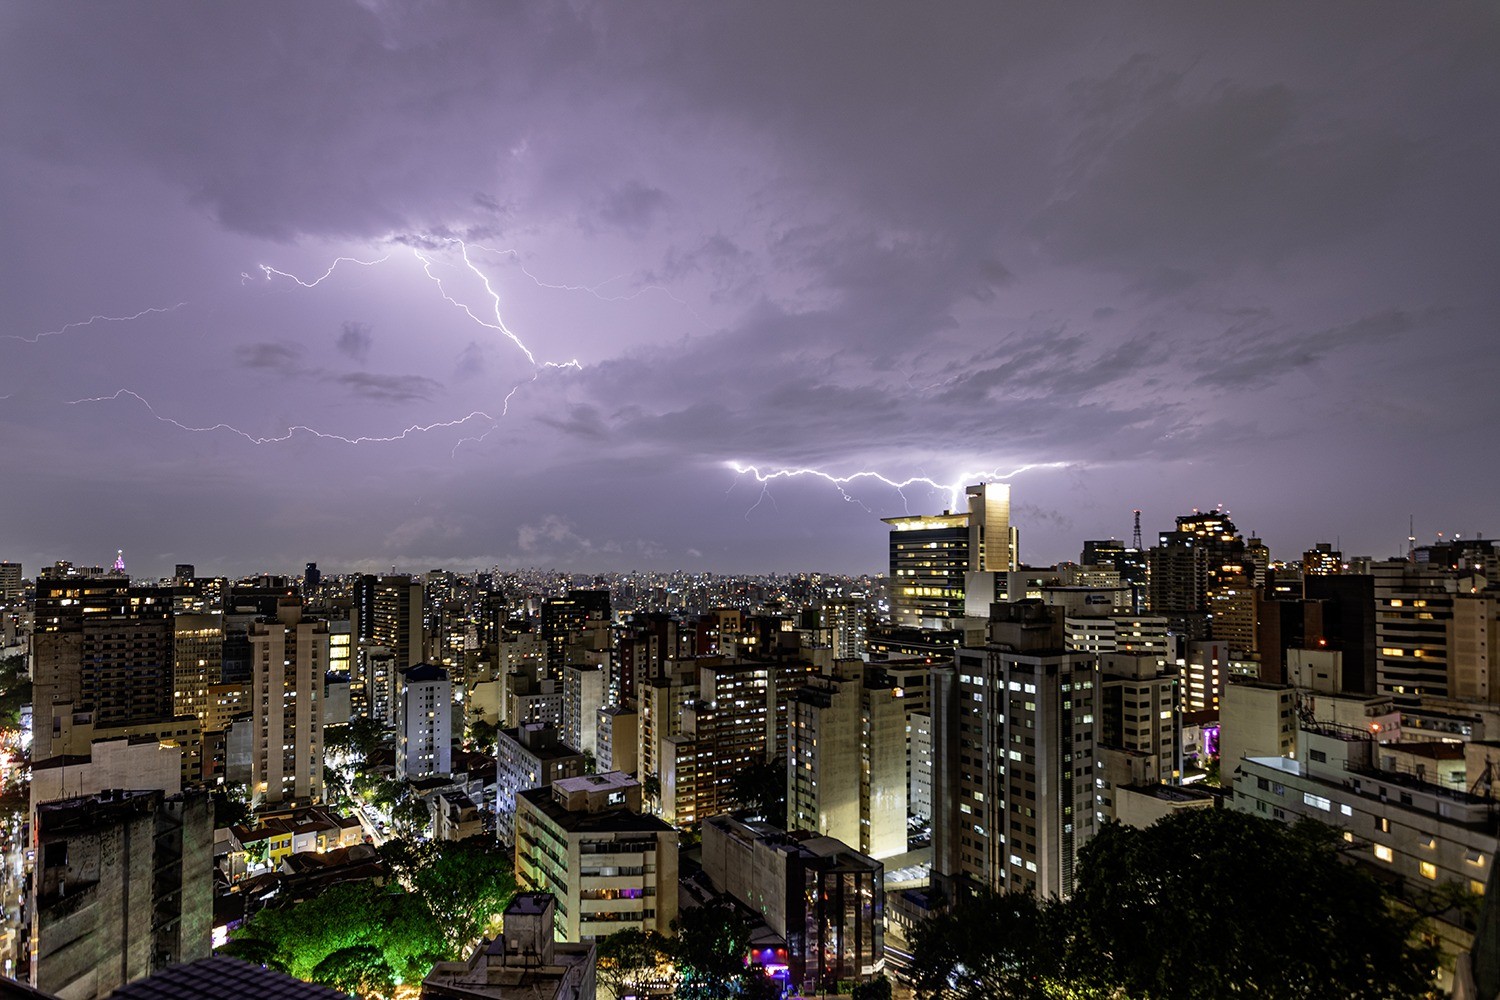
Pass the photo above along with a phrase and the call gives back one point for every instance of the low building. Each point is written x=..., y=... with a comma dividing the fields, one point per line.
x=826, y=900
x=610, y=868
x=454, y=815
x=524, y=963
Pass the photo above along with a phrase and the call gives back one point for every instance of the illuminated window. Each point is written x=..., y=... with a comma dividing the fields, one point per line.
x=1384, y=853
x=1427, y=868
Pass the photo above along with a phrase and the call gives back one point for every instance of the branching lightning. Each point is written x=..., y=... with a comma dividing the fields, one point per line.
x=91, y=321
x=292, y=431
x=955, y=490
x=268, y=270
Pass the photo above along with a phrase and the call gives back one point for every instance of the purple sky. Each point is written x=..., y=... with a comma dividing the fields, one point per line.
x=1174, y=255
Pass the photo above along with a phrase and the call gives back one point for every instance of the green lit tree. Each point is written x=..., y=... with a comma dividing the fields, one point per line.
x=632, y=962
x=466, y=884
x=710, y=948
x=482, y=736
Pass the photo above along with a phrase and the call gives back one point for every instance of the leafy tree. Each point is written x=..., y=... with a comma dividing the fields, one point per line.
x=651, y=790
x=482, y=734
x=465, y=883
x=710, y=948
x=360, y=969
x=410, y=814
x=1215, y=903
x=630, y=962
x=875, y=989
x=762, y=788
x=335, y=788
x=230, y=805
x=356, y=742
x=989, y=944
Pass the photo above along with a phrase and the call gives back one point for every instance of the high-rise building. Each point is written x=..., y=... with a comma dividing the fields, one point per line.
x=1322, y=560
x=1139, y=727
x=197, y=662
x=1186, y=565
x=1413, y=606
x=1014, y=733
x=100, y=648
x=930, y=555
x=426, y=722
x=728, y=723
x=528, y=756
x=122, y=889
x=10, y=584
x=583, y=697
x=290, y=657
x=564, y=619
x=1474, y=643
x=387, y=612
x=846, y=759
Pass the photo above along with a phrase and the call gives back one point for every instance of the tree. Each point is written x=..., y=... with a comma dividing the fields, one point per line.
x=466, y=884
x=410, y=814
x=482, y=734
x=1216, y=903
x=710, y=948
x=356, y=742
x=633, y=962
x=875, y=989
x=651, y=789
x=762, y=788
x=230, y=805
x=988, y=944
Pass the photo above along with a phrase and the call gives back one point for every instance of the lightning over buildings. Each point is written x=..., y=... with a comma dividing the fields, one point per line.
x=954, y=489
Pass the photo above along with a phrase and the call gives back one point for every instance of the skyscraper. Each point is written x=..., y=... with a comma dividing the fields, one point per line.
x=289, y=659
x=426, y=722
x=931, y=554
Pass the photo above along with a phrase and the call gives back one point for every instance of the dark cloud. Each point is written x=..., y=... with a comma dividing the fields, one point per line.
x=632, y=207
x=284, y=359
x=354, y=340
x=388, y=388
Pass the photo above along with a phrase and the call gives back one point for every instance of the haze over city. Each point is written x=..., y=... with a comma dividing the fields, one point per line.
x=515, y=285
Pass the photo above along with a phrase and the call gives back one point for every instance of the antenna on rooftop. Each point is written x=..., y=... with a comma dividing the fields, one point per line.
x=1135, y=539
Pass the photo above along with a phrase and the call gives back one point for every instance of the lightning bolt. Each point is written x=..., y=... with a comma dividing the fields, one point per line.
x=588, y=289
x=91, y=321
x=292, y=431
x=955, y=489
x=268, y=270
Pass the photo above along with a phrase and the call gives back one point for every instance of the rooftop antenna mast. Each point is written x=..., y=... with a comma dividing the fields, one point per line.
x=1135, y=539
x=1411, y=538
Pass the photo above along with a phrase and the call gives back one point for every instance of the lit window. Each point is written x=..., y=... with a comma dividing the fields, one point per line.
x=1384, y=853
x=1428, y=869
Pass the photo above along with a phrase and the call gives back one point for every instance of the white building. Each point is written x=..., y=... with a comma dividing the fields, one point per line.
x=426, y=722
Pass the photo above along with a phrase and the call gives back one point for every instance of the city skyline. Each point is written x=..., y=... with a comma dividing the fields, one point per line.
x=525, y=287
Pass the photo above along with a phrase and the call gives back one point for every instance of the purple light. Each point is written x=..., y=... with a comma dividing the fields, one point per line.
x=1211, y=740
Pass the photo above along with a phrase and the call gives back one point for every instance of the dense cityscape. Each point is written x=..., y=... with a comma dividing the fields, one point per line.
x=751, y=500
x=959, y=777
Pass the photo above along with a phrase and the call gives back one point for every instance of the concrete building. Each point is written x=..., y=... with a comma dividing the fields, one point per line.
x=1186, y=567
x=197, y=662
x=524, y=963
x=289, y=659
x=122, y=889
x=1413, y=609
x=529, y=756
x=618, y=739
x=610, y=868
x=1140, y=731
x=425, y=746
x=728, y=723
x=846, y=759
x=823, y=898
x=1123, y=633
x=11, y=586
x=1256, y=719
x=1474, y=642
x=930, y=556
x=1014, y=732
x=1419, y=836
x=583, y=697
x=141, y=763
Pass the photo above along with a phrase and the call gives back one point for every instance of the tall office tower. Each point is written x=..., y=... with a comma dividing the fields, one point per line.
x=10, y=583
x=1322, y=560
x=101, y=648
x=932, y=554
x=583, y=696
x=1413, y=605
x=290, y=657
x=387, y=612
x=197, y=662
x=1014, y=734
x=845, y=618
x=728, y=723
x=1186, y=566
x=564, y=618
x=122, y=889
x=426, y=722
x=1139, y=727
x=846, y=759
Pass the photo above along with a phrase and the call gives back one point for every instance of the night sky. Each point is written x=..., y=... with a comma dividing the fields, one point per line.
x=1167, y=256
